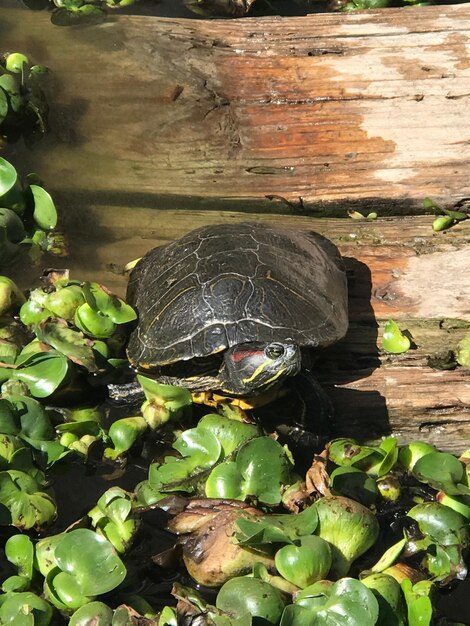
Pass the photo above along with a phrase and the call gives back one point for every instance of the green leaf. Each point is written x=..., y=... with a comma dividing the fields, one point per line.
x=67, y=341
x=306, y=562
x=225, y=481
x=44, y=213
x=389, y=557
x=443, y=472
x=393, y=339
x=100, y=299
x=419, y=602
x=27, y=506
x=19, y=550
x=390, y=447
x=91, y=560
x=347, y=603
x=8, y=174
x=92, y=614
x=175, y=398
x=244, y=596
x=230, y=433
x=441, y=524
x=388, y=593
x=124, y=433
x=265, y=467
x=32, y=417
x=25, y=609
x=282, y=528
x=15, y=62
x=354, y=483
x=43, y=372
x=349, y=527
x=202, y=446
x=13, y=224
x=3, y=105
x=349, y=453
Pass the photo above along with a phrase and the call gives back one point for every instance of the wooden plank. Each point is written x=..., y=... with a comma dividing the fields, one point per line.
x=369, y=109
x=398, y=268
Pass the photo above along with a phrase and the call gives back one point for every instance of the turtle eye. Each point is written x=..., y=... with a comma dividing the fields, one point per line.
x=274, y=351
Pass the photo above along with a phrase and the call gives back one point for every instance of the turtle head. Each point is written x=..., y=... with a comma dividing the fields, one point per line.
x=252, y=368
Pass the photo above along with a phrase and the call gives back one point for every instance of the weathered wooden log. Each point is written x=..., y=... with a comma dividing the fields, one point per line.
x=326, y=110
x=151, y=118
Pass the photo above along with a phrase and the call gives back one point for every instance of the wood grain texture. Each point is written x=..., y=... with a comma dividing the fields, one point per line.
x=397, y=268
x=160, y=126
x=369, y=108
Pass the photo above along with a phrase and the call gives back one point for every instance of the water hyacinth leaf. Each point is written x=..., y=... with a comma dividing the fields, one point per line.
x=230, y=433
x=93, y=323
x=394, y=341
x=15, y=62
x=202, y=446
x=28, y=507
x=124, y=433
x=418, y=599
x=91, y=560
x=100, y=299
x=3, y=105
x=443, y=472
x=8, y=176
x=32, y=416
x=390, y=447
x=462, y=353
x=264, y=466
x=44, y=372
x=19, y=550
x=13, y=225
x=354, y=483
x=173, y=475
x=412, y=452
x=32, y=312
x=441, y=524
x=168, y=617
x=8, y=422
x=16, y=584
x=64, y=302
x=389, y=557
x=175, y=398
x=282, y=528
x=68, y=342
x=347, y=602
x=244, y=596
x=64, y=591
x=92, y=614
x=225, y=481
x=306, y=562
x=44, y=212
x=349, y=452
x=389, y=596
x=461, y=504
x=51, y=451
x=349, y=527
x=25, y=609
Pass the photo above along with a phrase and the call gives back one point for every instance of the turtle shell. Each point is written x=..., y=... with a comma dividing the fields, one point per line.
x=227, y=284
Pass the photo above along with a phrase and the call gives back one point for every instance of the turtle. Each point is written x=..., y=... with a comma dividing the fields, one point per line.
x=234, y=309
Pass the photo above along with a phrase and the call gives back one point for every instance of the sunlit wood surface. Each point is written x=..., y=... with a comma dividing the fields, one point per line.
x=159, y=126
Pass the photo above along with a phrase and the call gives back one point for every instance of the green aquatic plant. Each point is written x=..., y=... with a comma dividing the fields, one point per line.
x=23, y=107
x=28, y=217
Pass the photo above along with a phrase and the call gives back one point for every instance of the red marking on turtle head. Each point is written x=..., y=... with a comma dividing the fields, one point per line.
x=238, y=355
